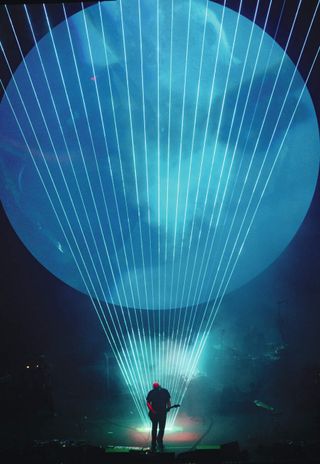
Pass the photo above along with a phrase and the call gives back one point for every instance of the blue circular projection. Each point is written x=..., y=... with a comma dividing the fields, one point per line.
x=156, y=159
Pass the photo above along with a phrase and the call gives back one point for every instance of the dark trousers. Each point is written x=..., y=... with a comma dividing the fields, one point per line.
x=158, y=420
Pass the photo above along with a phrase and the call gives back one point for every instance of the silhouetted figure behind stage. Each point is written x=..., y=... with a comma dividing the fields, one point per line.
x=158, y=401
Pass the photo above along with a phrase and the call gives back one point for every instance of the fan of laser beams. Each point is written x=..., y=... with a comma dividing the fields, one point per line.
x=145, y=144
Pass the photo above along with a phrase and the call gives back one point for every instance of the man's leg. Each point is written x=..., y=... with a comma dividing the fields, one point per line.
x=154, y=433
x=162, y=424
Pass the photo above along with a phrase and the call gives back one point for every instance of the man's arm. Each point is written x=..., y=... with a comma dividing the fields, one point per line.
x=169, y=401
x=150, y=407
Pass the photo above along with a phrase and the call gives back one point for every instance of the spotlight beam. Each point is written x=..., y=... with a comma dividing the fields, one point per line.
x=180, y=146
x=119, y=157
x=51, y=139
x=125, y=369
x=151, y=353
x=186, y=56
x=256, y=105
x=188, y=185
x=133, y=343
x=133, y=152
x=251, y=160
x=188, y=330
x=257, y=143
x=205, y=140
x=219, y=126
x=190, y=326
x=167, y=186
x=92, y=197
x=123, y=183
x=140, y=327
x=214, y=311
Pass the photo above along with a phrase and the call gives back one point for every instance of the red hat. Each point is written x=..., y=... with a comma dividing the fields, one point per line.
x=156, y=384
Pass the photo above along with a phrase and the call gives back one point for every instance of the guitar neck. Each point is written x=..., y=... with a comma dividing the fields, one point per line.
x=173, y=407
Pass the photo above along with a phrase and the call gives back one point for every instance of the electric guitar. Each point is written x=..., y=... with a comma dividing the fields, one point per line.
x=152, y=414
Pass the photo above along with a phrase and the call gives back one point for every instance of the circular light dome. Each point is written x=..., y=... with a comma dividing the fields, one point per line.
x=148, y=157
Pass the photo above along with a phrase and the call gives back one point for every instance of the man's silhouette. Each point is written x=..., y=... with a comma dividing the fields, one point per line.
x=158, y=401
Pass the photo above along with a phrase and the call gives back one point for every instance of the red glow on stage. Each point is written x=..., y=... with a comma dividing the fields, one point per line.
x=182, y=437
x=170, y=437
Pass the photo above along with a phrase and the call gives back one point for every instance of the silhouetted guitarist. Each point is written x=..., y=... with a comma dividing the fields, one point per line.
x=158, y=402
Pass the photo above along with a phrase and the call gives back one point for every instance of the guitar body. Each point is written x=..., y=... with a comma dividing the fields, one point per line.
x=154, y=415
